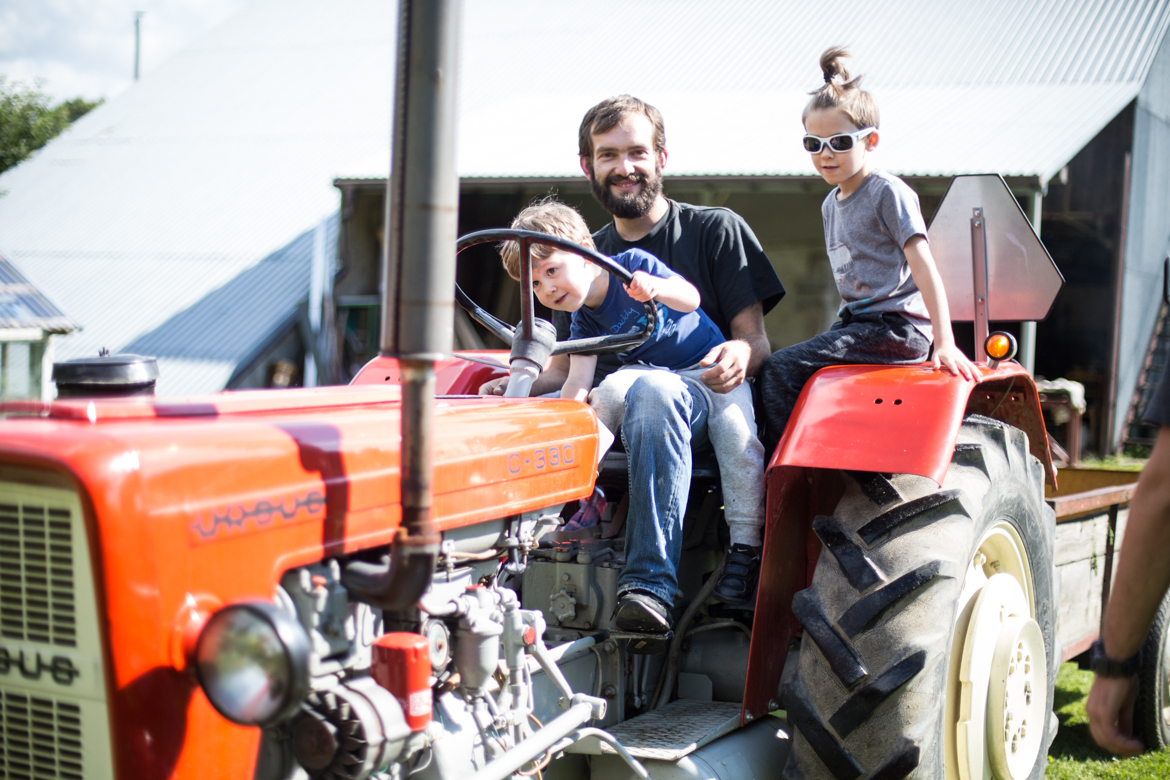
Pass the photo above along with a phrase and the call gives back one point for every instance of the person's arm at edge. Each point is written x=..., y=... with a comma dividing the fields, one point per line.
x=1143, y=575
x=551, y=379
x=926, y=277
x=580, y=380
x=734, y=361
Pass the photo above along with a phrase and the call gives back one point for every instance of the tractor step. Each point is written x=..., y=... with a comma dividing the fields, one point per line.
x=644, y=644
x=669, y=732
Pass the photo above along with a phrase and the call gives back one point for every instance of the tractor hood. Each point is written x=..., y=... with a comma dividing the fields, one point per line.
x=318, y=468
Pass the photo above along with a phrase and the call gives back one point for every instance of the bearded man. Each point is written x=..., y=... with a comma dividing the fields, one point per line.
x=622, y=147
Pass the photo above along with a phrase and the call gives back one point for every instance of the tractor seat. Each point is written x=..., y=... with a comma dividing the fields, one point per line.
x=615, y=466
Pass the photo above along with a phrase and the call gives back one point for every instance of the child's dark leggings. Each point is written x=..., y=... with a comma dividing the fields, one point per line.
x=886, y=338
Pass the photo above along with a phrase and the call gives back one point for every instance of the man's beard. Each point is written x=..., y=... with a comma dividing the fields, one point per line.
x=631, y=206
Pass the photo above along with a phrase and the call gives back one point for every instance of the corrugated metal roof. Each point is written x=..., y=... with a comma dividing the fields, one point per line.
x=24, y=306
x=203, y=168
x=177, y=376
x=228, y=151
x=232, y=322
x=1010, y=86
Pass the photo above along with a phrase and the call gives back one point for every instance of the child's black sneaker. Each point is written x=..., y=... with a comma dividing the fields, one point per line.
x=741, y=572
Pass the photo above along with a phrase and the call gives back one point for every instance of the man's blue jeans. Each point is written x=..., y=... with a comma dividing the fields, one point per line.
x=664, y=419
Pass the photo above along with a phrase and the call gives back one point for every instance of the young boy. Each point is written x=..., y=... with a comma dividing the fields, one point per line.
x=892, y=297
x=684, y=335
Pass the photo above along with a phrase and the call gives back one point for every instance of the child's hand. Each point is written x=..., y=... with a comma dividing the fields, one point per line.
x=643, y=287
x=953, y=359
x=496, y=386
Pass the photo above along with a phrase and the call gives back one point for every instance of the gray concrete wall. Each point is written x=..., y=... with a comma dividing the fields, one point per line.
x=1148, y=231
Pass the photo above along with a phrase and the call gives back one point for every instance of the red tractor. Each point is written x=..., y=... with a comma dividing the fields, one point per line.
x=370, y=581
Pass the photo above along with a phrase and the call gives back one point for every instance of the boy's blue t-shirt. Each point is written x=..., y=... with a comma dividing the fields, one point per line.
x=680, y=340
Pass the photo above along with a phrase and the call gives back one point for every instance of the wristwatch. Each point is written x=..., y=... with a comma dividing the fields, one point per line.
x=1104, y=666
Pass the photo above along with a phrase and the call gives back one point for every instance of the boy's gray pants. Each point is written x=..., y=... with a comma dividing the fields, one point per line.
x=731, y=427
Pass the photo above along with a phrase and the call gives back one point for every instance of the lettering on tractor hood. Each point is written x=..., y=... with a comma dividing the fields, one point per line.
x=245, y=518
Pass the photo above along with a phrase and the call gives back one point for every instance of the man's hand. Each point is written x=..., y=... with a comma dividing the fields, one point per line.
x=496, y=386
x=643, y=287
x=729, y=364
x=1110, y=711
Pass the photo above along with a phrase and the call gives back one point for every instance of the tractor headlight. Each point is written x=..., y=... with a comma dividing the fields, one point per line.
x=252, y=660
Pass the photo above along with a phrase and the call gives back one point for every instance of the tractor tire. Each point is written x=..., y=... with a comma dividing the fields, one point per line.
x=929, y=646
x=1151, y=713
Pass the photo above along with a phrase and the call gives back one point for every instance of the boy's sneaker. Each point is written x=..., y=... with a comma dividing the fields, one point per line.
x=640, y=612
x=589, y=513
x=741, y=572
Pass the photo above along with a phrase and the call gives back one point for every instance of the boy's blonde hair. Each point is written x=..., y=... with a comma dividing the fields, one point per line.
x=544, y=216
x=842, y=93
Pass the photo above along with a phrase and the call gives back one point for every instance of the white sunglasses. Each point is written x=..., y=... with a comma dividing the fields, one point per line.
x=841, y=142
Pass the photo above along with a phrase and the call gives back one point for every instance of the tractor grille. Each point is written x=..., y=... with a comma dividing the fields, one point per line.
x=54, y=722
x=40, y=738
x=36, y=574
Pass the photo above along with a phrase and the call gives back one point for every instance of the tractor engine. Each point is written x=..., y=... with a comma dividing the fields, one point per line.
x=464, y=682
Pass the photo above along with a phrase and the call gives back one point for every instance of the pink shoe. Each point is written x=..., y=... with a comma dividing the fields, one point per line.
x=589, y=514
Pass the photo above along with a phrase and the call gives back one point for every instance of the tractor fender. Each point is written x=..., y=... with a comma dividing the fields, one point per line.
x=904, y=419
x=888, y=419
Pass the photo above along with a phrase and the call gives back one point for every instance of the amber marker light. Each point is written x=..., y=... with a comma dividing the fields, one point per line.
x=999, y=347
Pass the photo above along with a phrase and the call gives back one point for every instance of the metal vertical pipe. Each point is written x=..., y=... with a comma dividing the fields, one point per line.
x=423, y=191
x=1107, y=579
x=1028, y=329
x=979, y=271
x=418, y=264
x=137, y=40
x=47, y=387
x=36, y=360
x=1108, y=445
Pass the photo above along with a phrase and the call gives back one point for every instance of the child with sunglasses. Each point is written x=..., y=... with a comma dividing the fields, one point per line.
x=892, y=300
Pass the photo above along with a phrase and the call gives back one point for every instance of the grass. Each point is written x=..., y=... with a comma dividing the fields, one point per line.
x=1129, y=461
x=1074, y=755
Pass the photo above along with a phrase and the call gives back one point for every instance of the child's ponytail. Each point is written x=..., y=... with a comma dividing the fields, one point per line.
x=840, y=92
x=835, y=72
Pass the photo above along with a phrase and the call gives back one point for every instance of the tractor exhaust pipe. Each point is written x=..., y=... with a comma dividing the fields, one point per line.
x=418, y=265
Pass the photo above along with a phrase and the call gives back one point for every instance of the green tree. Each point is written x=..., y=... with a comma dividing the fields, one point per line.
x=28, y=121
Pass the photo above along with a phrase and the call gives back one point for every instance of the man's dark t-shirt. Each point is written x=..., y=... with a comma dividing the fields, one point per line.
x=713, y=249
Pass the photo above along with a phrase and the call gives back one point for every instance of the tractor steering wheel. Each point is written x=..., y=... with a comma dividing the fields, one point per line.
x=533, y=340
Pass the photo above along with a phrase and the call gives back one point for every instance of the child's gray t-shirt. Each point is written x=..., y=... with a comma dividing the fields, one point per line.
x=864, y=235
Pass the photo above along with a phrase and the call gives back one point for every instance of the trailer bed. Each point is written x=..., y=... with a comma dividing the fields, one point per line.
x=1091, y=507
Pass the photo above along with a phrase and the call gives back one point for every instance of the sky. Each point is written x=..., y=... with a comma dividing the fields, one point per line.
x=85, y=48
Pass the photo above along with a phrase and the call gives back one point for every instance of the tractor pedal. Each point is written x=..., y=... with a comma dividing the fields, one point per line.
x=642, y=643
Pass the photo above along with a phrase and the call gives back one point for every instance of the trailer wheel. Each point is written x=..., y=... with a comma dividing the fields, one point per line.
x=1152, y=711
x=929, y=645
